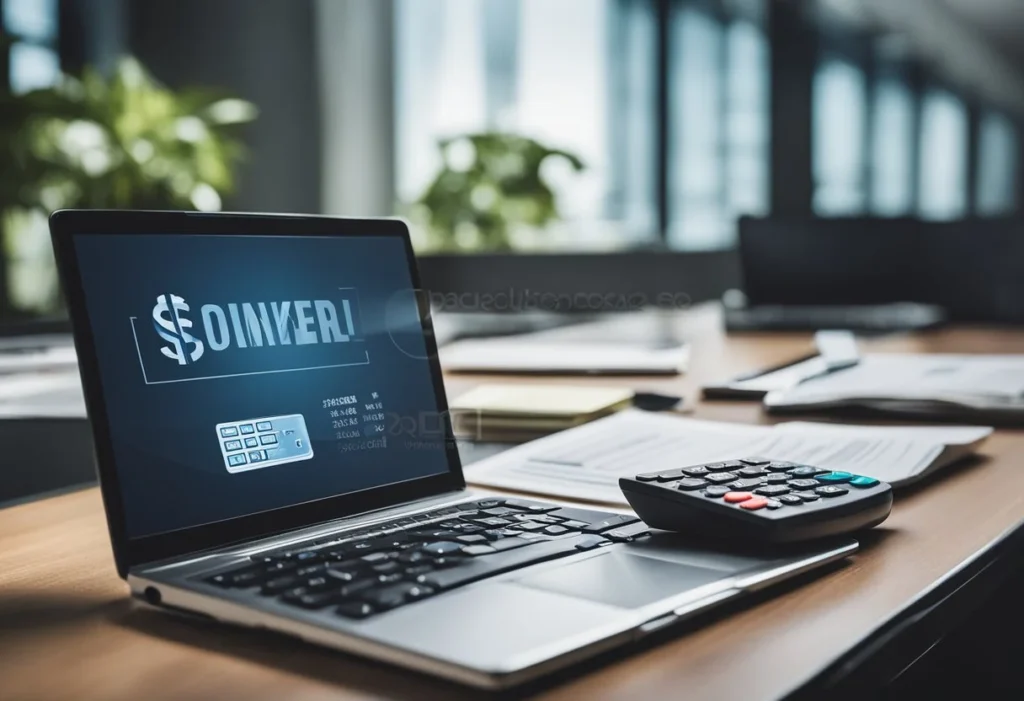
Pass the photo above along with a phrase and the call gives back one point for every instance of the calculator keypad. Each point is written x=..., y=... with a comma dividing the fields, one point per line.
x=761, y=485
x=252, y=444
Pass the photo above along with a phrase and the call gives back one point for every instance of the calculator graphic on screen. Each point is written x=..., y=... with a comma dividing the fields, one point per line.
x=253, y=444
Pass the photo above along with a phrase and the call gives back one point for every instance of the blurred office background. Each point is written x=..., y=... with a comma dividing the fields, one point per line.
x=533, y=140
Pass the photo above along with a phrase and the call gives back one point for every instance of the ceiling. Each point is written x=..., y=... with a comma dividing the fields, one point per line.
x=1000, y=21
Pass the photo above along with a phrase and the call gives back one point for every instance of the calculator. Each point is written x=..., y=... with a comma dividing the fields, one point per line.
x=266, y=441
x=758, y=500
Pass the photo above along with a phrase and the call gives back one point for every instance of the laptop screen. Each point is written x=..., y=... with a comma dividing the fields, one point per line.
x=243, y=374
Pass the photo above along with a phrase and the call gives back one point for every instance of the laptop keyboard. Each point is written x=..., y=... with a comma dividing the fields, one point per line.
x=361, y=573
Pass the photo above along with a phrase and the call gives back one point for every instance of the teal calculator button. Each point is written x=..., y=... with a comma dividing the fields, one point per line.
x=863, y=482
x=835, y=477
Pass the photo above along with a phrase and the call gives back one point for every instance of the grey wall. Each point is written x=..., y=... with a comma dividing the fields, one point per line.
x=263, y=51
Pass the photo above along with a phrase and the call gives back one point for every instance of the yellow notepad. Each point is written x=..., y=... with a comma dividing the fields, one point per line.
x=520, y=412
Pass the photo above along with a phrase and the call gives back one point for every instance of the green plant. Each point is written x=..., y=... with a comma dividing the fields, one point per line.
x=489, y=184
x=123, y=141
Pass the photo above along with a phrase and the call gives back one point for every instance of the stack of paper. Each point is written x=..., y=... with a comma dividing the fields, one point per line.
x=516, y=413
x=586, y=462
x=541, y=355
x=980, y=387
x=42, y=395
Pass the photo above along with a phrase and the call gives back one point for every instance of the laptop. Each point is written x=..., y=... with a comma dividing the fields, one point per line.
x=868, y=274
x=274, y=451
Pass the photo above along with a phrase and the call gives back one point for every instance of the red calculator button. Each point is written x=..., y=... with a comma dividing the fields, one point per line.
x=754, y=503
x=737, y=497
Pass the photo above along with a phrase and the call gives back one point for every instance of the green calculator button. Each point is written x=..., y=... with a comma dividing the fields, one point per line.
x=835, y=477
x=863, y=482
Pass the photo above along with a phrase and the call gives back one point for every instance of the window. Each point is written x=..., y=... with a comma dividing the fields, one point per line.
x=943, y=169
x=33, y=58
x=839, y=138
x=997, y=166
x=697, y=80
x=747, y=134
x=473, y=66
x=892, y=150
x=719, y=115
x=584, y=76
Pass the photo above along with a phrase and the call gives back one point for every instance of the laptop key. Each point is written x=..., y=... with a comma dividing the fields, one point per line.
x=247, y=578
x=319, y=583
x=387, y=568
x=352, y=589
x=543, y=518
x=377, y=557
x=493, y=521
x=355, y=609
x=472, y=539
x=499, y=511
x=575, y=525
x=343, y=574
x=434, y=534
x=478, y=550
x=610, y=523
x=393, y=596
x=628, y=533
x=510, y=544
x=310, y=570
x=276, y=586
x=310, y=600
x=413, y=557
x=441, y=548
x=556, y=530
x=529, y=506
x=590, y=542
x=574, y=514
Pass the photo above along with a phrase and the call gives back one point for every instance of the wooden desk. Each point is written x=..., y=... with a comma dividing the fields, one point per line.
x=67, y=629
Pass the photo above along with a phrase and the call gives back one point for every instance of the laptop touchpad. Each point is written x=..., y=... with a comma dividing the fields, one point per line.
x=621, y=579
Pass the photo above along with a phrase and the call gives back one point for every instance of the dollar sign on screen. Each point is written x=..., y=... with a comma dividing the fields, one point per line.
x=173, y=328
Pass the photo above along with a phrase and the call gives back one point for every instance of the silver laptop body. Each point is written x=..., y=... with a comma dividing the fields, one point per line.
x=504, y=630
x=237, y=370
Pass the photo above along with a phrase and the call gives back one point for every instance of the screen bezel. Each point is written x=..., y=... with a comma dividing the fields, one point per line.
x=67, y=225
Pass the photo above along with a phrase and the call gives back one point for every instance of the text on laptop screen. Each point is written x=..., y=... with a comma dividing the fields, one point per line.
x=248, y=373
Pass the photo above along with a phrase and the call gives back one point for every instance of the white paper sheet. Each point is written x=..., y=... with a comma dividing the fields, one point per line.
x=518, y=355
x=42, y=394
x=586, y=462
x=44, y=358
x=920, y=376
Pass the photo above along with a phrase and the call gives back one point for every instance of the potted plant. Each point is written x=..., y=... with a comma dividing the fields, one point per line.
x=489, y=184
